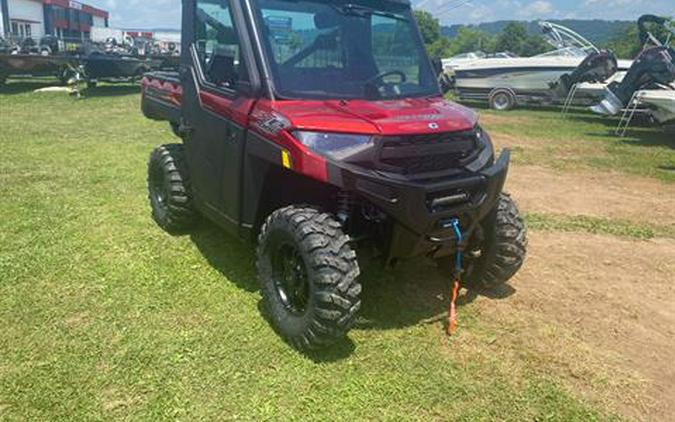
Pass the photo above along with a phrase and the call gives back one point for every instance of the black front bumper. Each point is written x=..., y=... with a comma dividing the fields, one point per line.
x=422, y=210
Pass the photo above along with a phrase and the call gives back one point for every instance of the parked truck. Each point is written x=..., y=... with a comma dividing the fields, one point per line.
x=317, y=129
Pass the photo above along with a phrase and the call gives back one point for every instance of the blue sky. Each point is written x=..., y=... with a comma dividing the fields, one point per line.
x=166, y=13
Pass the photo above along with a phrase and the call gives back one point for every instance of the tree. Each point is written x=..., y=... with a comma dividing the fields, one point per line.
x=512, y=38
x=441, y=48
x=515, y=38
x=429, y=26
x=469, y=39
x=627, y=44
x=534, y=45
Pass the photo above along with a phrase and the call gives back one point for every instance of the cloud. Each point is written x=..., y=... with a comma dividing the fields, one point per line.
x=166, y=13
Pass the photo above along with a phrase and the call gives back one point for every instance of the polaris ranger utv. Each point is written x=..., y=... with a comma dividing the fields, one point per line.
x=318, y=127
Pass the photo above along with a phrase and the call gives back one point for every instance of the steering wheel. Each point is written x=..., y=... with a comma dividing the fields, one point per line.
x=383, y=75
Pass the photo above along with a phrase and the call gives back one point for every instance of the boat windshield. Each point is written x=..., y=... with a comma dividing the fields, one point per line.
x=344, y=50
x=565, y=52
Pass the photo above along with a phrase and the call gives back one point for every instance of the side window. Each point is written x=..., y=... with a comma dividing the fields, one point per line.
x=298, y=42
x=218, y=44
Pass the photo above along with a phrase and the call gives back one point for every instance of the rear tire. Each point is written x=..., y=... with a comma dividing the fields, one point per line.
x=169, y=189
x=502, y=99
x=308, y=274
x=504, y=246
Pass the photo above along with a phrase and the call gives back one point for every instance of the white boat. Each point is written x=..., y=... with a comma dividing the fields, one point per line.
x=449, y=65
x=649, y=85
x=506, y=82
x=661, y=104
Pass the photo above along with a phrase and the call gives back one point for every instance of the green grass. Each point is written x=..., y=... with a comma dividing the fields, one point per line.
x=105, y=316
x=584, y=140
x=598, y=225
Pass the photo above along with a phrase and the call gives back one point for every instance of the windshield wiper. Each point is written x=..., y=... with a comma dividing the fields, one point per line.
x=365, y=11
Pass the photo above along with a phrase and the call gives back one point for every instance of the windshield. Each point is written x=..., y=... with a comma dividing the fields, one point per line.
x=344, y=50
x=565, y=52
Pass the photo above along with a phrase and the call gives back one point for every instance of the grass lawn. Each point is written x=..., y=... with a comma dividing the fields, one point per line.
x=105, y=316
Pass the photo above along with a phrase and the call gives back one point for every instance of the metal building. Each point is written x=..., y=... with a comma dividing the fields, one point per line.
x=66, y=19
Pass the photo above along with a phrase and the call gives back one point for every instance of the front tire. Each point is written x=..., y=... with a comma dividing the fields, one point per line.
x=169, y=189
x=504, y=246
x=308, y=274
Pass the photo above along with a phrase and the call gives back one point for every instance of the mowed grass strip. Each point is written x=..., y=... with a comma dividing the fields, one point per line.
x=583, y=140
x=105, y=316
x=598, y=225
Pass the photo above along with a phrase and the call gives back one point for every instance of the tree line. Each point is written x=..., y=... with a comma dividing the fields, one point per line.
x=514, y=38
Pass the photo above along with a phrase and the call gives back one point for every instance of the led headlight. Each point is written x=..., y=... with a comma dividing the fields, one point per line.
x=336, y=146
x=487, y=152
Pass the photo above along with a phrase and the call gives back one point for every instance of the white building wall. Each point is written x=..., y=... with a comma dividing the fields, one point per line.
x=166, y=36
x=99, y=22
x=31, y=10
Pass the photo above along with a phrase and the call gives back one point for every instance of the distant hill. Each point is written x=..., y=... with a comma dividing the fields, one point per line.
x=597, y=31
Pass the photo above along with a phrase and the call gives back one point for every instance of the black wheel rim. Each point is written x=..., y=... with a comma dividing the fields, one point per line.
x=290, y=279
x=158, y=187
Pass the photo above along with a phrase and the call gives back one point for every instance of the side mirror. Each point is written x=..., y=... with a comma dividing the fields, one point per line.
x=438, y=66
x=444, y=80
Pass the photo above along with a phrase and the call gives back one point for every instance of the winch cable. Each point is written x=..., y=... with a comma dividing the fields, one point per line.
x=459, y=270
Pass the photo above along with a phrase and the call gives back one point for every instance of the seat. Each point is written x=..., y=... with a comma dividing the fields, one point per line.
x=220, y=69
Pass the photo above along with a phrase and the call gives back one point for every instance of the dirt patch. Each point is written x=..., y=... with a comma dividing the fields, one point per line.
x=597, y=194
x=600, y=311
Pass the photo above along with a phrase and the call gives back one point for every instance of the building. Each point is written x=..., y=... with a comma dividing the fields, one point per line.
x=66, y=19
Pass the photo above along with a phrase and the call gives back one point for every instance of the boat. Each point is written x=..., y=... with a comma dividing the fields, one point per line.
x=129, y=61
x=660, y=103
x=506, y=82
x=649, y=84
x=449, y=65
x=35, y=60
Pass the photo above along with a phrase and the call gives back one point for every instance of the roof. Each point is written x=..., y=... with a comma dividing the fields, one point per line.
x=71, y=4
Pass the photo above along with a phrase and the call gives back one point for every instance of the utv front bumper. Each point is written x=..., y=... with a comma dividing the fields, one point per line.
x=422, y=210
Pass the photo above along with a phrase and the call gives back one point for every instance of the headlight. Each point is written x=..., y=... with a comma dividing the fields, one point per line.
x=487, y=151
x=334, y=145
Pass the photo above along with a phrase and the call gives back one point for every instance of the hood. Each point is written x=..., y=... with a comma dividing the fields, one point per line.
x=412, y=116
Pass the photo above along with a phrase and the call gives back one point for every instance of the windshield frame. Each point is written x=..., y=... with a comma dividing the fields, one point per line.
x=272, y=78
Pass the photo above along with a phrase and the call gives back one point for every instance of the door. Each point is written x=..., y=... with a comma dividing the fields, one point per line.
x=213, y=111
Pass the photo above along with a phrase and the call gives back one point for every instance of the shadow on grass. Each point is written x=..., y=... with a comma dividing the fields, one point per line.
x=484, y=106
x=22, y=86
x=235, y=260
x=111, y=90
x=413, y=293
x=651, y=138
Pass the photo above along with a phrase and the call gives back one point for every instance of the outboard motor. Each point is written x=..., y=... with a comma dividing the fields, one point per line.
x=28, y=46
x=49, y=44
x=645, y=35
x=655, y=66
x=596, y=67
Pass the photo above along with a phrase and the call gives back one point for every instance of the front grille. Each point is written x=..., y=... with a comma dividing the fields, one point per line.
x=427, y=153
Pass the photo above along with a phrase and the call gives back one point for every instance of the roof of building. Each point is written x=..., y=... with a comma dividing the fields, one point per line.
x=71, y=4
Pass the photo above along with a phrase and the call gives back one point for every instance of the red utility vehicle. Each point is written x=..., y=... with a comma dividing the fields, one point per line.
x=318, y=127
